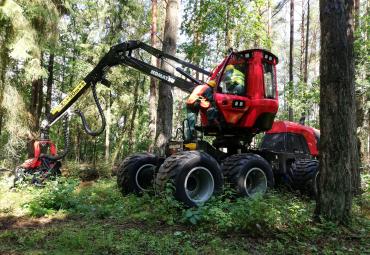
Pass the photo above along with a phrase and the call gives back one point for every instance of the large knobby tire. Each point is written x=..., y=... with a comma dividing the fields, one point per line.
x=304, y=175
x=249, y=174
x=195, y=175
x=136, y=173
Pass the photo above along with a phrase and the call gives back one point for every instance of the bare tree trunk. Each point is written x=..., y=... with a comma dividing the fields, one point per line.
x=165, y=100
x=1, y=120
x=228, y=36
x=153, y=98
x=78, y=146
x=4, y=59
x=40, y=102
x=337, y=109
x=269, y=23
x=305, y=71
x=119, y=145
x=301, y=66
x=360, y=113
x=291, y=49
x=133, y=116
x=36, y=101
x=197, y=36
x=107, y=127
x=49, y=84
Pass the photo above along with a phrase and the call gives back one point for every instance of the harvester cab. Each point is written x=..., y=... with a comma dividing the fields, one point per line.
x=246, y=98
x=247, y=91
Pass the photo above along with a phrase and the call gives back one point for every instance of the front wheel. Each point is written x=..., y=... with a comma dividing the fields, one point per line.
x=249, y=174
x=195, y=175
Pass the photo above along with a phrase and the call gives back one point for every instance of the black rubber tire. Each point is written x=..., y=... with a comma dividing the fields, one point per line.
x=236, y=167
x=127, y=180
x=304, y=174
x=176, y=170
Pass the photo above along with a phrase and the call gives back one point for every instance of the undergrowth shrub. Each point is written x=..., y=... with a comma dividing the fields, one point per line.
x=253, y=215
x=102, y=199
x=56, y=195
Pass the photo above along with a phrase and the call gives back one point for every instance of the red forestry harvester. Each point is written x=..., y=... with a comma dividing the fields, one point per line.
x=246, y=103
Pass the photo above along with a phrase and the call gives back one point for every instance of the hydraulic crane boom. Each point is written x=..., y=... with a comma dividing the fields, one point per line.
x=122, y=54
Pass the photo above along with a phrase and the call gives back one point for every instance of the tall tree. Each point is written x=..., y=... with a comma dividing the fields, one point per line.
x=49, y=84
x=108, y=115
x=291, y=50
x=153, y=82
x=302, y=53
x=165, y=99
x=337, y=109
x=36, y=104
x=305, y=68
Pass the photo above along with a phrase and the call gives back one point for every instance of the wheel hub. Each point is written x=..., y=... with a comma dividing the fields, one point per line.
x=199, y=185
x=255, y=182
x=144, y=176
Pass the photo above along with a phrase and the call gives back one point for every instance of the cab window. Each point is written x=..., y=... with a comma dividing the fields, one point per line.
x=233, y=80
x=269, y=80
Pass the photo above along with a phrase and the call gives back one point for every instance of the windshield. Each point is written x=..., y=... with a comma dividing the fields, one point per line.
x=234, y=80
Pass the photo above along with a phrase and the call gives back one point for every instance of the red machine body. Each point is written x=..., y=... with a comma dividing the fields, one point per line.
x=255, y=109
x=36, y=161
x=310, y=134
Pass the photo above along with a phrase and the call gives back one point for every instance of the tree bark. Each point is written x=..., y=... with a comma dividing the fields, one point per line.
x=107, y=127
x=301, y=66
x=153, y=82
x=269, y=23
x=360, y=112
x=337, y=109
x=228, y=36
x=49, y=84
x=291, y=49
x=133, y=116
x=305, y=71
x=165, y=99
x=4, y=60
x=36, y=101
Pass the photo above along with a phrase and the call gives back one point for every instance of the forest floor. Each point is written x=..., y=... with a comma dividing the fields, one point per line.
x=70, y=217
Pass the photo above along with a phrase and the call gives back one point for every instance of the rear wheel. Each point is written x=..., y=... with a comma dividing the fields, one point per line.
x=304, y=176
x=136, y=173
x=195, y=175
x=249, y=174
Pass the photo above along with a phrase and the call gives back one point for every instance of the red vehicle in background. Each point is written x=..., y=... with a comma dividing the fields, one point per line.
x=39, y=168
x=296, y=147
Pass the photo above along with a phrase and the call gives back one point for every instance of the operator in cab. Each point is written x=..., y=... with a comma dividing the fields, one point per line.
x=234, y=80
x=201, y=99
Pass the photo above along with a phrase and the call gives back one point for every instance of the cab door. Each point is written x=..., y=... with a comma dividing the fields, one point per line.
x=231, y=97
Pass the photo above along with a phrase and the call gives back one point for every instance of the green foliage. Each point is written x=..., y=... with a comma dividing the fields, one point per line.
x=208, y=24
x=57, y=195
x=94, y=218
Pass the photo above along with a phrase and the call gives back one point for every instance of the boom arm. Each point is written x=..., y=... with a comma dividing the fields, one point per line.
x=122, y=54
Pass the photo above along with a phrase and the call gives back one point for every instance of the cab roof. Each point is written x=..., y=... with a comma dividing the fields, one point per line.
x=267, y=54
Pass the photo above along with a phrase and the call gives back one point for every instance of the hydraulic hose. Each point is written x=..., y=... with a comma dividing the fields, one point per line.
x=66, y=142
x=101, y=113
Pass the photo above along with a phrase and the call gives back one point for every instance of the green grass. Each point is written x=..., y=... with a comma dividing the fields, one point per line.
x=67, y=218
